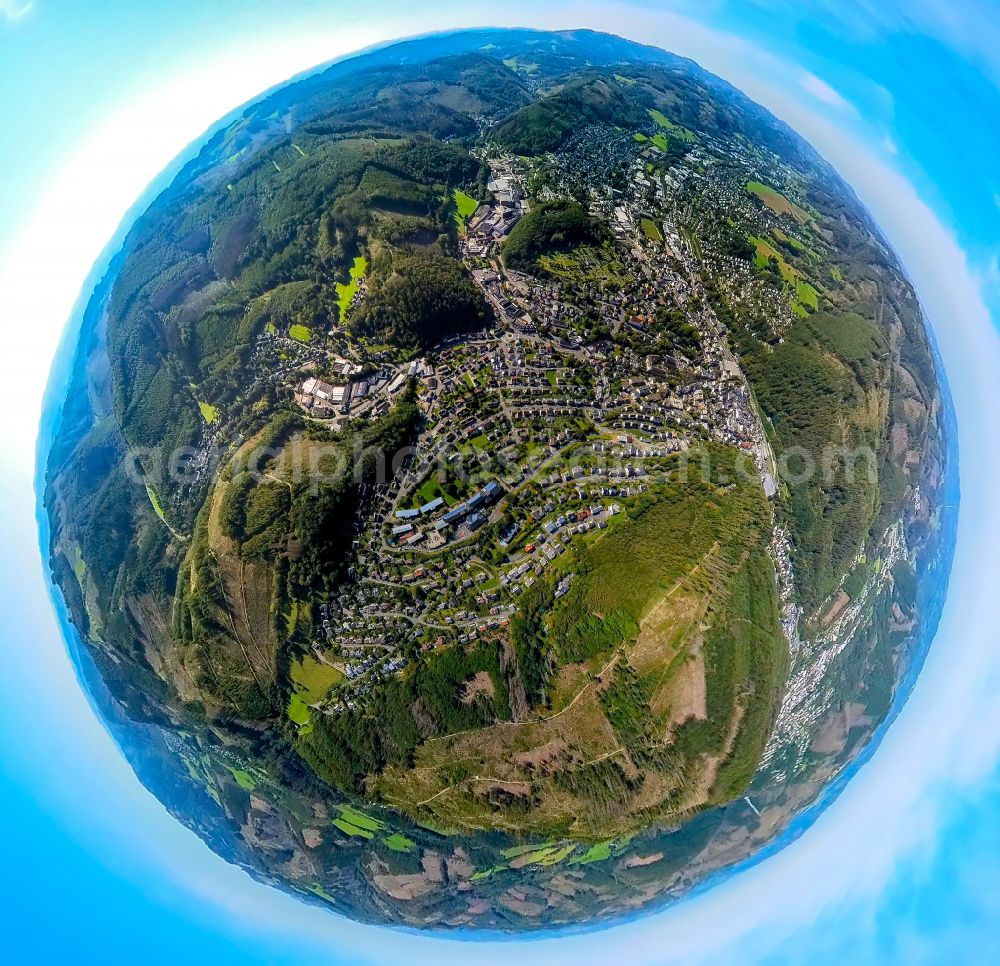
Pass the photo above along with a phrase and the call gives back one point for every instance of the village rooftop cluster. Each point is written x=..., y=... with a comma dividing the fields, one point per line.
x=535, y=434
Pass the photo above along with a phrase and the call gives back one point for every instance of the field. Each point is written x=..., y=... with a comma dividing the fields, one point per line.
x=313, y=679
x=765, y=252
x=598, y=852
x=465, y=206
x=154, y=501
x=78, y=563
x=800, y=247
x=347, y=291
x=804, y=296
x=807, y=295
x=208, y=412
x=776, y=201
x=651, y=230
x=244, y=779
x=300, y=333
x=298, y=712
x=682, y=133
x=400, y=843
x=429, y=490
x=526, y=67
x=357, y=824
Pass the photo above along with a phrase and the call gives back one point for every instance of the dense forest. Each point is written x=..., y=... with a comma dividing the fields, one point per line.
x=544, y=125
x=420, y=300
x=551, y=226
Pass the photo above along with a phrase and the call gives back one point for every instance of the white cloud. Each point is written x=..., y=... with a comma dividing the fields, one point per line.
x=14, y=10
x=822, y=91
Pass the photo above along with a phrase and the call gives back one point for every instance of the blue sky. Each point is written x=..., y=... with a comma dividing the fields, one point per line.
x=903, y=98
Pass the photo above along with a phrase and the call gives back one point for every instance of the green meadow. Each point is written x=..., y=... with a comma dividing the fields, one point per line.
x=347, y=291
x=465, y=207
x=208, y=412
x=679, y=132
x=313, y=679
x=651, y=230
x=776, y=201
